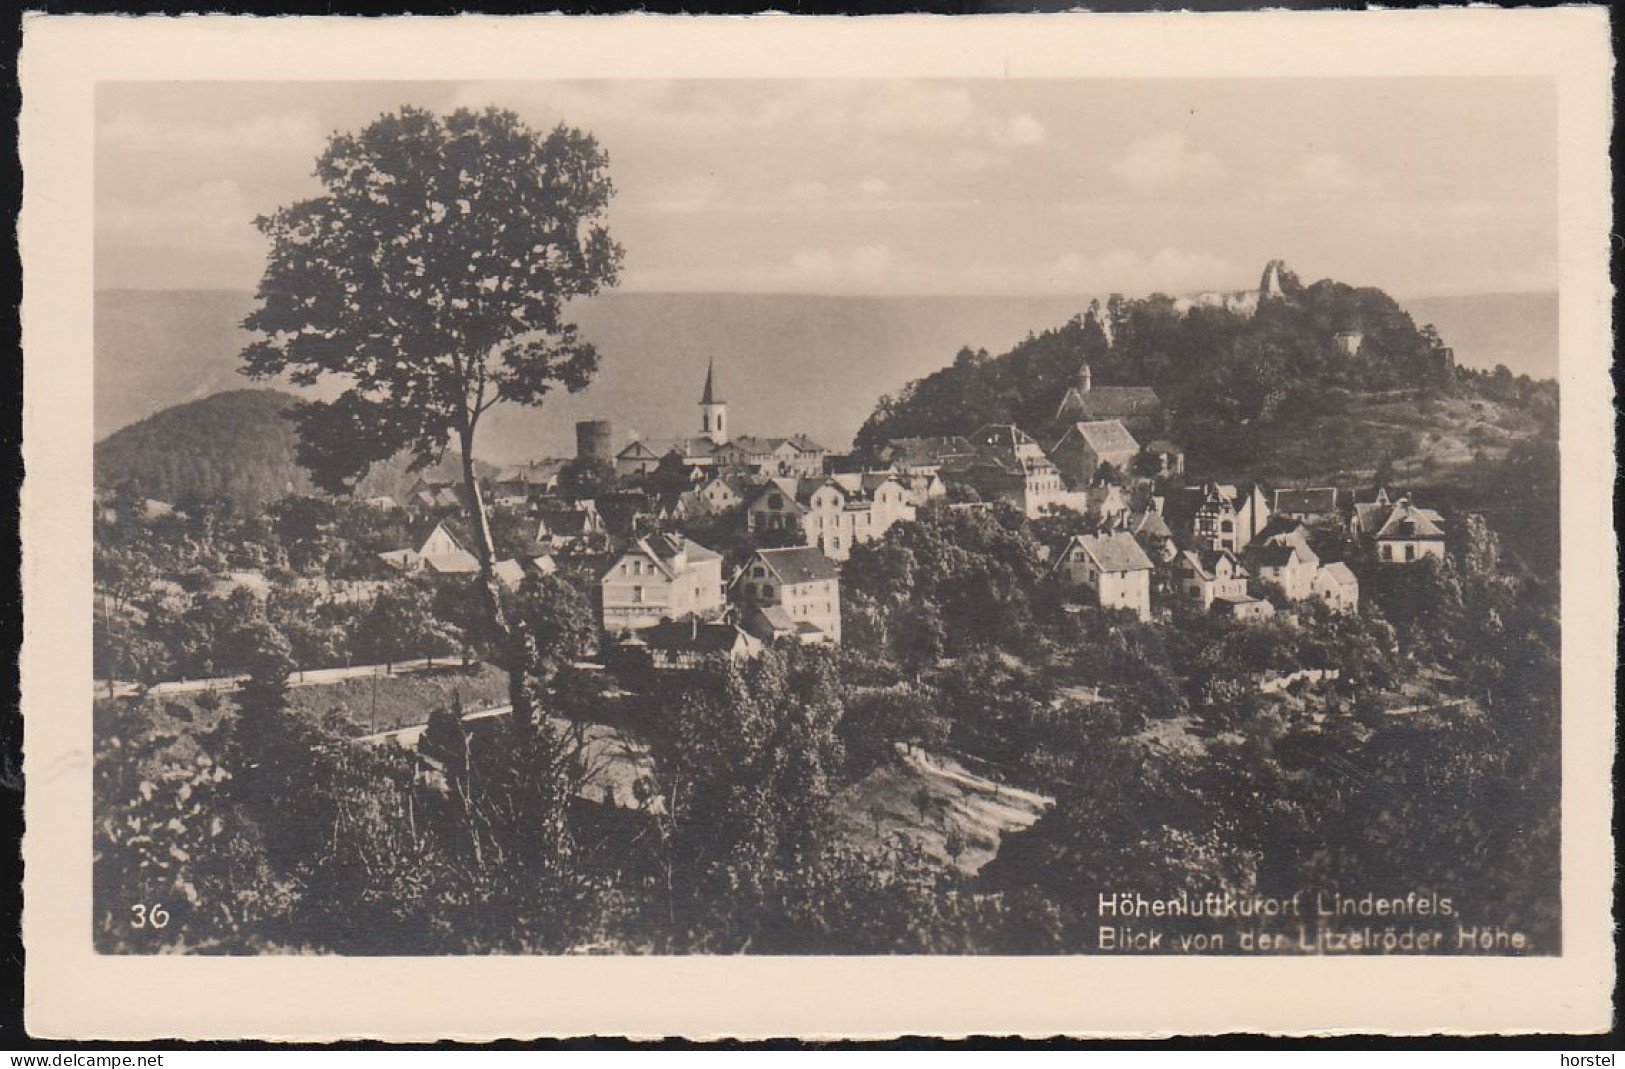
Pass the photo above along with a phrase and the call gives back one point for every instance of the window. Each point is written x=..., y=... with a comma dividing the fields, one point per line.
x=1227, y=526
x=835, y=543
x=767, y=590
x=637, y=594
x=1410, y=552
x=757, y=572
x=775, y=501
x=1387, y=552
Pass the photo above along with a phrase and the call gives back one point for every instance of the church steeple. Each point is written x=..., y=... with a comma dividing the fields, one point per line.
x=713, y=413
x=710, y=395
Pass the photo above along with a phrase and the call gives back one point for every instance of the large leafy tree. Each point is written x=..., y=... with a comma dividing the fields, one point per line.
x=431, y=277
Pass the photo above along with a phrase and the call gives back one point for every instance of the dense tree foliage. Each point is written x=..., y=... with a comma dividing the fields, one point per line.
x=431, y=278
x=1234, y=385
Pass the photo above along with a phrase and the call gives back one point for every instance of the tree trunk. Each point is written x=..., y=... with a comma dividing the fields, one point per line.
x=517, y=646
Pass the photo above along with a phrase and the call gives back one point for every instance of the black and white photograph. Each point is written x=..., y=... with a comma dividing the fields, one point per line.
x=829, y=516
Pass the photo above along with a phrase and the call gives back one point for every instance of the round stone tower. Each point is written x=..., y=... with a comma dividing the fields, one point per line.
x=595, y=439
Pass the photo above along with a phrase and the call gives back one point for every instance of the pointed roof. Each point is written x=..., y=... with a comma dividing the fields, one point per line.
x=1106, y=436
x=798, y=564
x=1204, y=563
x=1113, y=552
x=1410, y=522
x=1150, y=523
x=710, y=395
x=1339, y=573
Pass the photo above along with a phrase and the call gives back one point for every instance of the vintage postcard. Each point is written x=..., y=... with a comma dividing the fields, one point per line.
x=1043, y=525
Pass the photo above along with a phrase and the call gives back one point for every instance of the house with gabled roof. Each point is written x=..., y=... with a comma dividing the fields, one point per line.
x=523, y=482
x=643, y=456
x=1105, y=503
x=1151, y=531
x=774, y=506
x=1336, y=585
x=1111, y=566
x=922, y=456
x=797, y=456
x=687, y=643
x=1009, y=465
x=789, y=593
x=435, y=547
x=1083, y=447
x=1409, y=534
x=435, y=494
x=1006, y=439
x=1217, y=515
x=1369, y=515
x=724, y=493
x=1285, y=561
x=660, y=577
x=1205, y=575
x=1244, y=607
x=831, y=513
x=576, y=527
x=1311, y=504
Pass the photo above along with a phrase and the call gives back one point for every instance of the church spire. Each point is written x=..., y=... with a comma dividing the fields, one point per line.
x=713, y=413
x=709, y=397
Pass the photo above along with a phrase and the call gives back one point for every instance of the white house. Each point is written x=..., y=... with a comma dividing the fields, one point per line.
x=662, y=577
x=793, y=592
x=1337, y=586
x=1112, y=566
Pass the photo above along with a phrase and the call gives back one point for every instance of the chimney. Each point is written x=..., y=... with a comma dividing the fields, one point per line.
x=1085, y=379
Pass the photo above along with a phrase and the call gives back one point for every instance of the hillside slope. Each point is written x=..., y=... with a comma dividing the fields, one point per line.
x=235, y=445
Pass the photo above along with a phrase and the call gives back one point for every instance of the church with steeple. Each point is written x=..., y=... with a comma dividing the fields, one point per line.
x=1137, y=407
x=713, y=410
x=715, y=448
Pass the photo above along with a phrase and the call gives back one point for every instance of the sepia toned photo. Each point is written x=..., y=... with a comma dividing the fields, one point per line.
x=805, y=517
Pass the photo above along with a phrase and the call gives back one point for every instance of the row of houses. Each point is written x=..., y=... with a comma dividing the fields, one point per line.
x=1115, y=570
x=664, y=579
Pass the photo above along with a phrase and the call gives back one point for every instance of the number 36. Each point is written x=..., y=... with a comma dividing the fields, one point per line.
x=154, y=916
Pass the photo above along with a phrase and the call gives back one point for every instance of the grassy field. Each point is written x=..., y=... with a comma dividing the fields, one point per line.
x=401, y=701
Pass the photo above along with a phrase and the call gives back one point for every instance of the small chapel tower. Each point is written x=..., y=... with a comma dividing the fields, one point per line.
x=713, y=413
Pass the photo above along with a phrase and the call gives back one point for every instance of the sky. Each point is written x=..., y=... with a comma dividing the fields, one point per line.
x=1424, y=187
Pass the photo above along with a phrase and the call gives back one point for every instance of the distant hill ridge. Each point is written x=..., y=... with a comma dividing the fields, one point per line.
x=787, y=363
x=235, y=445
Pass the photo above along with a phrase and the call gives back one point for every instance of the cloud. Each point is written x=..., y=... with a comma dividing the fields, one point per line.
x=979, y=160
x=808, y=193
x=295, y=131
x=863, y=264
x=696, y=193
x=904, y=106
x=1019, y=131
x=1165, y=161
x=1328, y=172
x=1169, y=270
